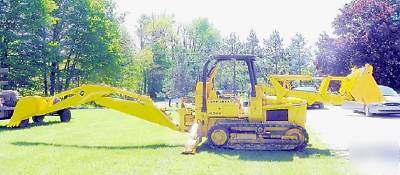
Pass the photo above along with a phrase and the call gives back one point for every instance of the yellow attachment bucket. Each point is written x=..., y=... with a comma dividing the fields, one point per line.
x=363, y=87
x=28, y=107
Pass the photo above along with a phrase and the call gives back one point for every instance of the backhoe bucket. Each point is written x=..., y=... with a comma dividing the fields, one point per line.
x=28, y=107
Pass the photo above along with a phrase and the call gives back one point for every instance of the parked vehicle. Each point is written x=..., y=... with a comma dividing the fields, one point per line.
x=391, y=105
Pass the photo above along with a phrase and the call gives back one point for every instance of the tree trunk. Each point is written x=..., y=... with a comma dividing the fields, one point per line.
x=234, y=77
x=45, y=83
x=54, y=67
x=70, y=73
x=145, y=83
x=59, y=85
x=54, y=72
x=4, y=60
x=4, y=56
x=151, y=85
x=276, y=65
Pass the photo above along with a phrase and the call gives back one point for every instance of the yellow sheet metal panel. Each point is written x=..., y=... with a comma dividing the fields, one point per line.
x=223, y=108
x=296, y=108
x=198, y=98
x=297, y=114
x=256, y=105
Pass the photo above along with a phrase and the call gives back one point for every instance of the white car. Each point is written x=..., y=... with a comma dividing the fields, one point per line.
x=390, y=106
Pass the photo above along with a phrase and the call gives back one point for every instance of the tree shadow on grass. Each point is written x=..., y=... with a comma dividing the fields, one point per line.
x=267, y=155
x=153, y=146
x=31, y=125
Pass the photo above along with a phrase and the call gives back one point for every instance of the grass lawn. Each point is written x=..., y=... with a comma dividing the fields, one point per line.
x=103, y=141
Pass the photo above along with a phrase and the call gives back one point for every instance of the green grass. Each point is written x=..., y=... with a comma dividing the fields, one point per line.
x=102, y=141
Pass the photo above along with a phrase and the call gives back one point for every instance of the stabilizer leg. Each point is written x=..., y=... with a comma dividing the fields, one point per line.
x=194, y=139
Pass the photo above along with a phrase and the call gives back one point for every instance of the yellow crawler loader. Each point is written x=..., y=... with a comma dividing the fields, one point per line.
x=268, y=123
x=359, y=86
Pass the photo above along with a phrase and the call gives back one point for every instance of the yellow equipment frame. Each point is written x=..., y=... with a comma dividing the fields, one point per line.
x=359, y=86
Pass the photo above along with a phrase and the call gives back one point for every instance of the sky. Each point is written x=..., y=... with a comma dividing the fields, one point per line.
x=308, y=17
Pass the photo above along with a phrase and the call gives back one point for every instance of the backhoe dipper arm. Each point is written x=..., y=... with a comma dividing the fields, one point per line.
x=133, y=104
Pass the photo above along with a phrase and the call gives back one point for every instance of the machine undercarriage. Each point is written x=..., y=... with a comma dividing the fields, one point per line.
x=245, y=135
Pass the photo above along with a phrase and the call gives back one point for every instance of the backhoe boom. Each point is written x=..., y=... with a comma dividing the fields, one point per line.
x=124, y=101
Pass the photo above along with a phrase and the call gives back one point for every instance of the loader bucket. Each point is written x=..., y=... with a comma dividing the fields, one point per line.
x=26, y=108
x=362, y=86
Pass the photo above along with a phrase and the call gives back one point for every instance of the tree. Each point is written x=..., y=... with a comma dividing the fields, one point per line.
x=299, y=55
x=87, y=44
x=49, y=45
x=23, y=40
x=158, y=33
x=252, y=44
x=203, y=36
x=227, y=78
x=53, y=45
x=274, y=55
x=182, y=78
x=133, y=67
x=369, y=32
x=333, y=57
x=195, y=42
x=200, y=39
